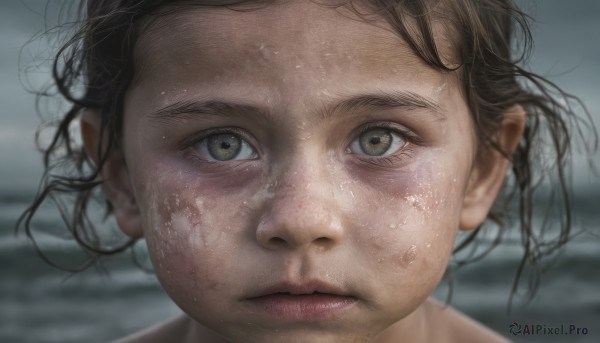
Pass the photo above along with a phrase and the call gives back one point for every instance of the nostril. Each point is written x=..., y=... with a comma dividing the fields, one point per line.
x=322, y=241
x=278, y=241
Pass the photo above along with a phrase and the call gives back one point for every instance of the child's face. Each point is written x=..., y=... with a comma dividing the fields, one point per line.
x=344, y=161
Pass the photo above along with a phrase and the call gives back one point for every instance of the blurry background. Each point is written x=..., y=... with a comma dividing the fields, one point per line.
x=41, y=304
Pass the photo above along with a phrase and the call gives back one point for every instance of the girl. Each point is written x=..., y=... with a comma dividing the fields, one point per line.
x=300, y=169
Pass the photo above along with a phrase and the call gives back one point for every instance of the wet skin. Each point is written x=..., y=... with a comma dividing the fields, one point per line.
x=303, y=204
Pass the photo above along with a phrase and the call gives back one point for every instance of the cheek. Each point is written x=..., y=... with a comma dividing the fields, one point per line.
x=191, y=236
x=411, y=218
x=179, y=235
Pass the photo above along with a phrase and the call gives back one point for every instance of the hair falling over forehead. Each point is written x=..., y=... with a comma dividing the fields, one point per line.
x=491, y=41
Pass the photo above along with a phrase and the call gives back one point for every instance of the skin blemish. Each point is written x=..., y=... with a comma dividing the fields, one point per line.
x=408, y=257
x=416, y=202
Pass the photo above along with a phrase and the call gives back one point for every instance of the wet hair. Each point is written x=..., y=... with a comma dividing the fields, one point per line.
x=491, y=41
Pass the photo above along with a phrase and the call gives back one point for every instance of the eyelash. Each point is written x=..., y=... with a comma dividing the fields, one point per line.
x=188, y=145
x=403, y=153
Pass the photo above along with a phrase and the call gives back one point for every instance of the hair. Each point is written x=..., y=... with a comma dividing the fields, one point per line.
x=491, y=40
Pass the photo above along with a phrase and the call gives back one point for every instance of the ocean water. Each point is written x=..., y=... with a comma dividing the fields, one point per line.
x=39, y=303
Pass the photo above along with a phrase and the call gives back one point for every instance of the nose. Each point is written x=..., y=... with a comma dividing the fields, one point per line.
x=302, y=214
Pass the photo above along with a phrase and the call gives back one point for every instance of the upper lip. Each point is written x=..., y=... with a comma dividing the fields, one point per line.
x=309, y=287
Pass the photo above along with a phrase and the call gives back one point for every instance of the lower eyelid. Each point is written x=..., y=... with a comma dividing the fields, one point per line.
x=394, y=160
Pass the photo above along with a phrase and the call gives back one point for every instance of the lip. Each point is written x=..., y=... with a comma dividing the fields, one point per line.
x=312, y=300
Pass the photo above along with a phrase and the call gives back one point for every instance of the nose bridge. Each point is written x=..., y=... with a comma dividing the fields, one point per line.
x=303, y=211
x=304, y=176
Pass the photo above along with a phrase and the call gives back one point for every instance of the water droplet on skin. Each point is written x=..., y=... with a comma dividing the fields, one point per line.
x=352, y=193
x=162, y=93
x=298, y=66
x=428, y=245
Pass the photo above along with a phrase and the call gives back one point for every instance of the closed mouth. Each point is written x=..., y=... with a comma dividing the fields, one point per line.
x=308, y=301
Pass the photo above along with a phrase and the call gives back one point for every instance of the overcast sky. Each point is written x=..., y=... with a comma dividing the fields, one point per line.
x=567, y=49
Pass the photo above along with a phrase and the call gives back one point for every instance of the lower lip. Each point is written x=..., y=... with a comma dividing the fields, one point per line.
x=302, y=306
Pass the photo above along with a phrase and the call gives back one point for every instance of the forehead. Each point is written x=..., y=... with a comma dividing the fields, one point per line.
x=314, y=35
x=302, y=26
x=291, y=55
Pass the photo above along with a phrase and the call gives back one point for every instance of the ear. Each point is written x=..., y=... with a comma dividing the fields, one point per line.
x=116, y=185
x=489, y=173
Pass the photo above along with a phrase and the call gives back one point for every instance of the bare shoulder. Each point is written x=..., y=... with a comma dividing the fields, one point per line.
x=172, y=330
x=453, y=326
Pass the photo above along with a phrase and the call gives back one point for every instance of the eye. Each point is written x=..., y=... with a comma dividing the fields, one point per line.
x=377, y=142
x=225, y=147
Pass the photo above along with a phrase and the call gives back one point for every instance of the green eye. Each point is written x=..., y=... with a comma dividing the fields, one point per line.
x=377, y=142
x=225, y=147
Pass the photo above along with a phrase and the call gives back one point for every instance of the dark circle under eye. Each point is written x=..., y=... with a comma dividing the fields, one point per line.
x=224, y=146
x=376, y=142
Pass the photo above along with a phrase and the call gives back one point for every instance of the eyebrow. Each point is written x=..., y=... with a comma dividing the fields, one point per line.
x=189, y=109
x=380, y=100
x=388, y=100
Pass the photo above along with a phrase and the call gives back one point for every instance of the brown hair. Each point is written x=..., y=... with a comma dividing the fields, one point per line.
x=492, y=43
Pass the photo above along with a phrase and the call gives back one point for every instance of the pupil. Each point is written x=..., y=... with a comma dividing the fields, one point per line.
x=224, y=147
x=376, y=142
